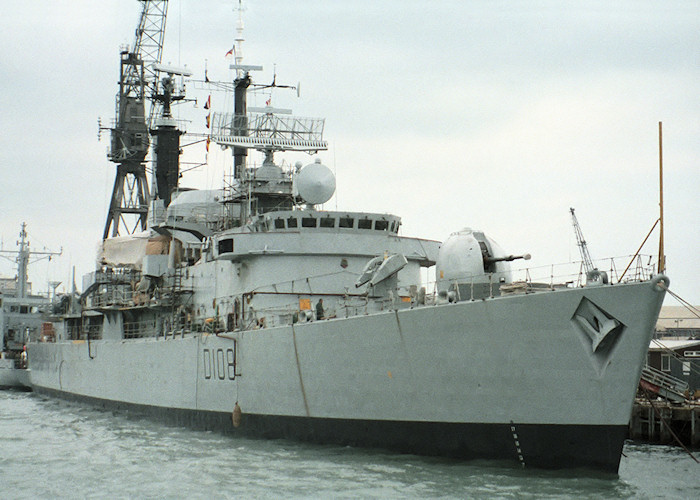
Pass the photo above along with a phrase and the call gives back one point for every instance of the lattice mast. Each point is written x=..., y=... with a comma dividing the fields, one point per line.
x=138, y=81
x=21, y=257
x=583, y=247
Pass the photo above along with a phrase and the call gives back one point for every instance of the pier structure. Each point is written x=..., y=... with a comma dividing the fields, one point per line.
x=658, y=421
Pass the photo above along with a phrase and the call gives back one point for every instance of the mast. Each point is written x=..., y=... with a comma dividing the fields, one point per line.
x=166, y=144
x=238, y=41
x=22, y=259
x=268, y=187
x=22, y=262
x=662, y=258
x=240, y=103
x=241, y=85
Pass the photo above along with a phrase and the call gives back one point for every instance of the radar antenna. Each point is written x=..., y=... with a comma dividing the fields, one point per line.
x=269, y=130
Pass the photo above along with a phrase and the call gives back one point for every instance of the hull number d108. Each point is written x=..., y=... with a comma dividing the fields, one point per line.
x=219, y=363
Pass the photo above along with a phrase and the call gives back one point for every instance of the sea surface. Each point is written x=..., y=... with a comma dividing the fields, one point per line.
x=56, y=449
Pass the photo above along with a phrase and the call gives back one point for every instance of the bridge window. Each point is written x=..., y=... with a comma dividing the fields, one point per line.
x=308, y=222
x=279, y=223
x=327, y=222
x=381, y=225
x=364, y=224
x=346, y=222
x=292, y=222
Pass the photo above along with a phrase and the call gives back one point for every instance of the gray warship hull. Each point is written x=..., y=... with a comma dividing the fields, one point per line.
x=12, y=377
x=544, y=379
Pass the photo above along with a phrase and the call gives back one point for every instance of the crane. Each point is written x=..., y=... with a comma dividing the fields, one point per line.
x=583, y=248
x=138, y=80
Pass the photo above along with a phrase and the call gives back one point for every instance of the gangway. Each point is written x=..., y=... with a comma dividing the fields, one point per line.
x=663, y=384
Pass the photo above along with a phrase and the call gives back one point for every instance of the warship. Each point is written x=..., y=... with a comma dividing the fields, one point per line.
x=23, y=315
x=253, y=311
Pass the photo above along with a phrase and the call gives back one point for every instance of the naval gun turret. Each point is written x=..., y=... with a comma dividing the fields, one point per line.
x=470, y=265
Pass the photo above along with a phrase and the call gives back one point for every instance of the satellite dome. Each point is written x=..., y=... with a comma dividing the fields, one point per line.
x=315, y=183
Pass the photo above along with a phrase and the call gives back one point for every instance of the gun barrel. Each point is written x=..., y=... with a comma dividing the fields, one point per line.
x=490, y=260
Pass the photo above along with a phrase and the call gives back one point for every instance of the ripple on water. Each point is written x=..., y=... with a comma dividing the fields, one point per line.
x=55, y=449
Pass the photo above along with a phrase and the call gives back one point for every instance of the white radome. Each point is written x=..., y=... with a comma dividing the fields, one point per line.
x=315, y=183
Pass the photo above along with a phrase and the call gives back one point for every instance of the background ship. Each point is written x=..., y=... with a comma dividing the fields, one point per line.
x=249, y=310
x=22, y=315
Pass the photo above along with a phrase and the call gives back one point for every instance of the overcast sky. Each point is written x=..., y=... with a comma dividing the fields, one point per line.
x=491, y=115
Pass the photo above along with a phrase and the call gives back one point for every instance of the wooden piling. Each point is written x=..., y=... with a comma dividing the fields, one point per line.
x=681, y=420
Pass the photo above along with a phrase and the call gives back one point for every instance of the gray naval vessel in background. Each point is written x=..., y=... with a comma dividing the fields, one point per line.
x=23, y=314
x=252, y=311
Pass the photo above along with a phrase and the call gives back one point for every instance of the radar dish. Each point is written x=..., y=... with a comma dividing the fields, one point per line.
x=315, y=183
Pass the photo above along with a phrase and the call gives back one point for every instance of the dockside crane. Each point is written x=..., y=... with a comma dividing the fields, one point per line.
x=581, y=242
x=593, y=275
x=138, y=82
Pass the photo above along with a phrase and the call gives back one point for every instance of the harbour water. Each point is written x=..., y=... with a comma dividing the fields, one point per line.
x=56, y=449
